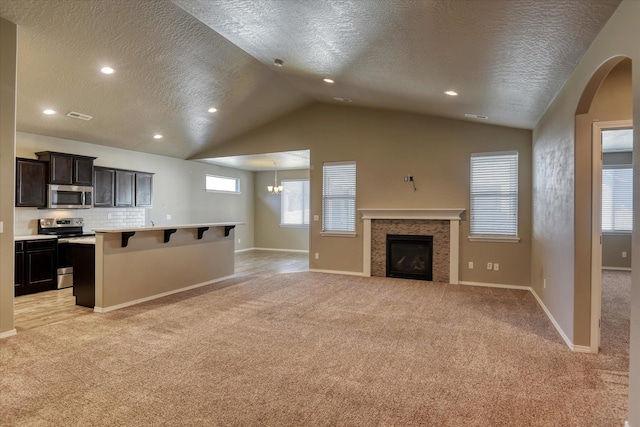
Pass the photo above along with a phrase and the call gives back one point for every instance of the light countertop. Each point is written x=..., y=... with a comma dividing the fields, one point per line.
x=35, y=237
x=89, y=240
x=165, y=227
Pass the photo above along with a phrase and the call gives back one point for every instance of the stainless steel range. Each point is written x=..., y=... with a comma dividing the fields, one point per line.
x=65, y=229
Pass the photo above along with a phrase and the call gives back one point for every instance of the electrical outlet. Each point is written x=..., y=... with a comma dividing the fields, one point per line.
x=470, y=265
x=108, y=216
x=544, y=283
x=317, y=255
x=406, y=178
x=624, y=254
x=496, y=266
x=239, y=240
x=316, y=217
x=489, y=266
x=169, y=216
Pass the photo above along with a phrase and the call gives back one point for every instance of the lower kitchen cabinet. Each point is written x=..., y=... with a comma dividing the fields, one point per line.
x=35, y=266
x=84, y=274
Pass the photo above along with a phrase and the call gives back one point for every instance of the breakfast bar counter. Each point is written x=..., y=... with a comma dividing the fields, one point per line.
x=134, y=265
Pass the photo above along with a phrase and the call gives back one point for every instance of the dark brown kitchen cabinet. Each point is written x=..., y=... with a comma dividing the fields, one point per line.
x=125, y=187
x=122, y=188
x=68, y=169
x=31, y=183
x=84, y=274
x=144, y=189
x=103, y=194
x=35, y=266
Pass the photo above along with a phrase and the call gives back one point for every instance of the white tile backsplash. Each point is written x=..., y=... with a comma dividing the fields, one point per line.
x=26, y=219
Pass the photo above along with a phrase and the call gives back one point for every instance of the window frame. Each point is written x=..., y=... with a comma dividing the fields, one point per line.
x=353, y=214
x=304, y=197
x=208, y=190
x=486, y=237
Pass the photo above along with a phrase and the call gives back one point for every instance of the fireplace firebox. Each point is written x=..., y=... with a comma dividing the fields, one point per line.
x=410, y=257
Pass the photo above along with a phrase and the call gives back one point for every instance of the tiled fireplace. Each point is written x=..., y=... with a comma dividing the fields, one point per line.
x=442, y=224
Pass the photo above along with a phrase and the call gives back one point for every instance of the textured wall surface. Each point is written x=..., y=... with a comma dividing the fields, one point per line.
x=440, y=230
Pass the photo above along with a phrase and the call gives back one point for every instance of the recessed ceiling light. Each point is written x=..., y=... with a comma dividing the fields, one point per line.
x=476, y=116
x=157, y=136
x=338, y=98
x=107, y=70
x=328, y=81
x=451, y=93
x=48, y=112
x=212, y=110
x=278, y=62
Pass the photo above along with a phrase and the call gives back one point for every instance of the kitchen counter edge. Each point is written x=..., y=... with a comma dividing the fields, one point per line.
x=165, y=227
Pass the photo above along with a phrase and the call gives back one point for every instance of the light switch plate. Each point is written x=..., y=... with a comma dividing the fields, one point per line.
x=1, y=226
x=316, y=217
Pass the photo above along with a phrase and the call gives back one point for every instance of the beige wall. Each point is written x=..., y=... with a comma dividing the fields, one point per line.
x=555, y=190
x=387, y=146
x=8, y=52
x=178, y=185
x=268, y=231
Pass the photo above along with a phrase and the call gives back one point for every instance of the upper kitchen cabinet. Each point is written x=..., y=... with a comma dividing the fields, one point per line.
x=144, y=189
x=68, y=169
x=103, y=194
x=31, y=183
x=122, y=188
x=125, y=186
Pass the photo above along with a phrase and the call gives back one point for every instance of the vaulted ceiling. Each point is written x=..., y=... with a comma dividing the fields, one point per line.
x=506, y=59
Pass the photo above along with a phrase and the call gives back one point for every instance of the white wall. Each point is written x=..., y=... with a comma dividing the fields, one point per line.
x=178, y=190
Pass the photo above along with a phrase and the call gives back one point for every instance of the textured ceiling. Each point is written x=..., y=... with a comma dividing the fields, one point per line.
x=506, y=58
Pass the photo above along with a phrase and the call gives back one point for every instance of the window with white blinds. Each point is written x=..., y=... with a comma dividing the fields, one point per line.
x=617, y=198
x=294, y=202
x=494, y=194
x=339, y=197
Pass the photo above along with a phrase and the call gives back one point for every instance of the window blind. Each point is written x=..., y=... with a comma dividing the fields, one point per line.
x=295, y=202
x=494, y=194
x=617, y=199
x=339, y=197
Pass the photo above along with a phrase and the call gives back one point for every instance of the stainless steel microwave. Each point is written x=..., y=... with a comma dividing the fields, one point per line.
x=69, y=197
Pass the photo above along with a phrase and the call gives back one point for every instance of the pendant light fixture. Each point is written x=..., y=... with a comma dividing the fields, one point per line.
x=275, y=188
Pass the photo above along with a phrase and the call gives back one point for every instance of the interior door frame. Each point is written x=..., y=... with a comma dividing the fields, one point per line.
x=596, y=225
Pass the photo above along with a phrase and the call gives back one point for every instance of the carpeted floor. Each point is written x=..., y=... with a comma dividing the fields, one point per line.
x=309, y=349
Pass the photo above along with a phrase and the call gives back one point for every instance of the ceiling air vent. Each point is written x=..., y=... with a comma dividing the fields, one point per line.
x=80, y=116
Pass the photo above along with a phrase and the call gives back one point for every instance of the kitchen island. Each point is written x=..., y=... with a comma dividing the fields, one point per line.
x=134, y=265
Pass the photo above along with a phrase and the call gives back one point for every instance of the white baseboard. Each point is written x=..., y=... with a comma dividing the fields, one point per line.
x=302, y=251
x=243, y=250
x=152, y=297
x=495, y=285
x=8, y=334
x=616, y=268
x=346, y=273
x=553, y=321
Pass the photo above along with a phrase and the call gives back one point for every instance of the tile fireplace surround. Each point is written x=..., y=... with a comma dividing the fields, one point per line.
x=443, y=224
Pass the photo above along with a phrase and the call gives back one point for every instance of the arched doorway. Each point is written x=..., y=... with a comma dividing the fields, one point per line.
x=606, y=103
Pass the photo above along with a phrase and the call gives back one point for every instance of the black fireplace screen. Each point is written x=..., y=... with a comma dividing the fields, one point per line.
x=410, y=257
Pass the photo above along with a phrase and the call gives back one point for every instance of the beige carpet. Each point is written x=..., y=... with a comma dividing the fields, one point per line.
x=309, y=349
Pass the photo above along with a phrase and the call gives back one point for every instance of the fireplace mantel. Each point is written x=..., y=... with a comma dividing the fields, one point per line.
x=436, y=214
x=451, y=215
